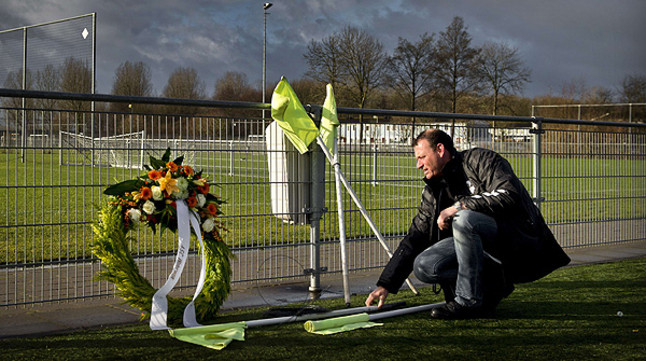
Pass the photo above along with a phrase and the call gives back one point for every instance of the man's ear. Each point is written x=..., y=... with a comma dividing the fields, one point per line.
x=441, y=149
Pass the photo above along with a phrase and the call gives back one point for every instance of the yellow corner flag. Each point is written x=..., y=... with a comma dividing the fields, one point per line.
x=291, y=116
x=329, y=120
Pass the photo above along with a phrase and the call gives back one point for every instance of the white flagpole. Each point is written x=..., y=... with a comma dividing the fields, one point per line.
x=339, y=176
x=339, y=201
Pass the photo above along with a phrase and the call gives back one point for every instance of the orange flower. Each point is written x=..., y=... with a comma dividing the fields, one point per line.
x=188, y=170
x=191, y=201
x=172, y=166
x=213, y=209
x=154, y=174
x=145, y=193
x=204, y=189
x=168, y=184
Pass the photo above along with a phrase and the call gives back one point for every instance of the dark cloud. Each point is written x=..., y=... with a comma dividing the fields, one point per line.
x=596, y=41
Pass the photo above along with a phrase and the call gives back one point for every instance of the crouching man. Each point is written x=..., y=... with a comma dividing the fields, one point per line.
x=476, y=233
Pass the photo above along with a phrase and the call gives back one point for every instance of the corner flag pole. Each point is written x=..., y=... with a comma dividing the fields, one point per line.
x=339, y=176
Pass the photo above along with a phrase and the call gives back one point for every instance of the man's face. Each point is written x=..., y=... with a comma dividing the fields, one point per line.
x=430, y=160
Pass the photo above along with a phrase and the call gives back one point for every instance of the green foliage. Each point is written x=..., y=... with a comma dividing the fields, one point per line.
x=119, y=267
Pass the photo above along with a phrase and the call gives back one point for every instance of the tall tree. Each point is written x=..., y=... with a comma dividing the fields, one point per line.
x=633, y=89
x=324, y=61
x=185, y=84
x=76, y=78
x=501, y=71
x=410, y=69
x=48, y=79
x=234, y=86
x=363, y=60
x=14, y=81
x=455, y=69
x=132, y=79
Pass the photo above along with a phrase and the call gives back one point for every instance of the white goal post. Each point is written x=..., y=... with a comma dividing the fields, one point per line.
x=119, y=151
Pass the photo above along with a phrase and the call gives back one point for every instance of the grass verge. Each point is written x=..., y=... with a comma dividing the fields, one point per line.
x=568, y=315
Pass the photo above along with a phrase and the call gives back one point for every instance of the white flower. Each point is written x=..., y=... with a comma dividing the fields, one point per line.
x=134, y=214
x=158, y=194
x=208, y=225
x=182, y=184
x=201, y=200
x=149, y=207
x=181, y=194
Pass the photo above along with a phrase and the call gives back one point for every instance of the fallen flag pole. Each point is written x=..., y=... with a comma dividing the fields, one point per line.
x=361, y=320
x=317, y=316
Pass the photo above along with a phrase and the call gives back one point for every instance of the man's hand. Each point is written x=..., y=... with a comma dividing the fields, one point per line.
x=380, y=294
x=445, y=217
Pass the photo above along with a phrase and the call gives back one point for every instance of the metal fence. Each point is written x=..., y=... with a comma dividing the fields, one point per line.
x=588, y=178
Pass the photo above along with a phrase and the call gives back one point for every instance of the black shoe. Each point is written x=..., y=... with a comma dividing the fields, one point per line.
x=455, y=311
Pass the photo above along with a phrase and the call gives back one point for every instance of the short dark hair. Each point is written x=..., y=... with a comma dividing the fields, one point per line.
x=435, y=137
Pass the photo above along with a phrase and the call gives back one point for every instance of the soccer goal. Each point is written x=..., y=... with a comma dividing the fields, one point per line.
x=120, y=151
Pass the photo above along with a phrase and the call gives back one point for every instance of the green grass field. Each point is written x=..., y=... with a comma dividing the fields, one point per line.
x=568, y=315
x=46, y=208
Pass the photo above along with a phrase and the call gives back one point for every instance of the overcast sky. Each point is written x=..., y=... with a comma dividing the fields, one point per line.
x=598, y=42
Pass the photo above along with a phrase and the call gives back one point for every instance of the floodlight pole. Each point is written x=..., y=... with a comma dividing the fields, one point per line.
x=265, y=6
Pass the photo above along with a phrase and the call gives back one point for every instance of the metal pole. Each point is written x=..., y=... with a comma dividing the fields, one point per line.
x=23, y=133
x=264, y=57
x=317, y=202
x=537, y=131
x=362, y=209
x=94, y=85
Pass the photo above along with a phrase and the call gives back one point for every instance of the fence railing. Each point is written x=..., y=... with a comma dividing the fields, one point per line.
x=588, y=178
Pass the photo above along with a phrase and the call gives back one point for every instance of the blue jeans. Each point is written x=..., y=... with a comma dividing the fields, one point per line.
x=460, y=257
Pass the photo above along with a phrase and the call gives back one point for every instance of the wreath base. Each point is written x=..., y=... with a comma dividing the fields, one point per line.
x=119, y=267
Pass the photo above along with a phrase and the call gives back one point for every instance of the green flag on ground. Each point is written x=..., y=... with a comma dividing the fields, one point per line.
x=291, y=116
x=212, y=336
x=340, y=324
x=329, y=120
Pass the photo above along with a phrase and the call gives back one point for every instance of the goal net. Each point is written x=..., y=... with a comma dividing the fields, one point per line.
x=120, y=151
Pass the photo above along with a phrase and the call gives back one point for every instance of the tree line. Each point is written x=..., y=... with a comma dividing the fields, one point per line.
x=442, y=72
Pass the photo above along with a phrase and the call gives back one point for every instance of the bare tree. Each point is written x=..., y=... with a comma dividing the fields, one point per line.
x=14, y=81
x=352, y=61
x=133, y=79
x=455, y=69
x=48, y=79
x=410, y=69
x=234, y=86
x=633, y=89
x=501, y=71
x=363, y=60
x=76, y=78
x=324, y=60
x=185, y=84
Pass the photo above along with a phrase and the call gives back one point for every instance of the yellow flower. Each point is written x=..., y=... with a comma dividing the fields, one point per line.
x=168, y=184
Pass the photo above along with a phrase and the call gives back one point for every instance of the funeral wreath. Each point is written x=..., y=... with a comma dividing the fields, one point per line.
x=149, y=200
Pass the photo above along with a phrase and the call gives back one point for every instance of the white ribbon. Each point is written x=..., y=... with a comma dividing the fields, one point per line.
x=159, y=309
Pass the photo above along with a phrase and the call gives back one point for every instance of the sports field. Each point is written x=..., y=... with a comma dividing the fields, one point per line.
x=46, y=208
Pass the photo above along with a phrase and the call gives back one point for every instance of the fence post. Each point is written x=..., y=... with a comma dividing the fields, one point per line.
x=317, y=202
x=374, y=165
x=537, y=130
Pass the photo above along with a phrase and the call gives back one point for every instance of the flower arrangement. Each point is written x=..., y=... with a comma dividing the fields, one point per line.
x=151, y=200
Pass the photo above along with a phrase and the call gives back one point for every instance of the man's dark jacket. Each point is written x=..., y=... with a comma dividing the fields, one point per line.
x=482, y=181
